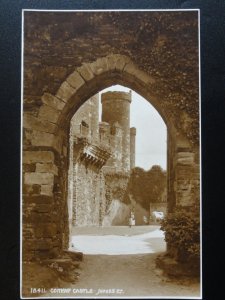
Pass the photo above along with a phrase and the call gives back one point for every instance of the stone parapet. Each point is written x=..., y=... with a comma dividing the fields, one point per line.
x=110, y=96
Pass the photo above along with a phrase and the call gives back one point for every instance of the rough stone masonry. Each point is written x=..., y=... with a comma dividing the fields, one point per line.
x=102, y=155
x=71, y=56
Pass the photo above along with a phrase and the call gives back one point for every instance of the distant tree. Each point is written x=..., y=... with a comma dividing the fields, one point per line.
x=146, y=186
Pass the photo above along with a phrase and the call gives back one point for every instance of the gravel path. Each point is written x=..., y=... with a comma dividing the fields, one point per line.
x=119, y=276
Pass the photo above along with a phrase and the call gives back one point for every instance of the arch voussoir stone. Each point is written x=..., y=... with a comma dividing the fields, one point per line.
x=121, y=62
x=86, y=72
x=99, y=66
x=65, y=91
x=117, y=61
x=53, y=101
x=75, y=80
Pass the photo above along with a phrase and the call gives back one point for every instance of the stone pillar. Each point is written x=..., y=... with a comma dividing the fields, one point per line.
x=171, y=154
x=182, y=173
x=70, y=182
x=132, y=147
x=116, y=109
x=187, y=178
x=42, y=233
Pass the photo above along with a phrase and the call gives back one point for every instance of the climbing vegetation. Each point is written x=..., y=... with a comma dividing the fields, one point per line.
x=182, y=232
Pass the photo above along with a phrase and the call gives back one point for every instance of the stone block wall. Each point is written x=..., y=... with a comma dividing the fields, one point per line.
x=69, y=57
x=87, y=196
x=41, y=206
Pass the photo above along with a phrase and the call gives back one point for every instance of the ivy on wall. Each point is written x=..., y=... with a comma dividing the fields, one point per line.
x=182, y=233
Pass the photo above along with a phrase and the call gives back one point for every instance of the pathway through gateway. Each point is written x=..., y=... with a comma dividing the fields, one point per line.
x=118, y=240
x=119, y=262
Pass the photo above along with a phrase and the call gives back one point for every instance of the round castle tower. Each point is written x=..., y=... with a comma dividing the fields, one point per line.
x=116, y=109
x=132, y=147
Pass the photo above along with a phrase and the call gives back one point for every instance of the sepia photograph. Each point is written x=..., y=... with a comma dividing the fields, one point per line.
x=111, y=152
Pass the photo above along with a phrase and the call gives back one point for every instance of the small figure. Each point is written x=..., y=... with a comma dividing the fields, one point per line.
x=131, y=220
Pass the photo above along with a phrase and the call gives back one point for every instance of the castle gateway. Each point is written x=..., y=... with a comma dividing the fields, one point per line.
x=70, y=57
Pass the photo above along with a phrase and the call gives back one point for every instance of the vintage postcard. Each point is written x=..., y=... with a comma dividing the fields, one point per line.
x=111, y=189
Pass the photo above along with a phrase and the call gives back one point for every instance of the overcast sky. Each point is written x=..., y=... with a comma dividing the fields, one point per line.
x=151, y=138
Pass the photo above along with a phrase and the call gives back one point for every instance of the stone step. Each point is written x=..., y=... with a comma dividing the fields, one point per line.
x=77, y=256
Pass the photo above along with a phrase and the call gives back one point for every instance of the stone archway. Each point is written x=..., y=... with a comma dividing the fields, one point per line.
x=45, y=162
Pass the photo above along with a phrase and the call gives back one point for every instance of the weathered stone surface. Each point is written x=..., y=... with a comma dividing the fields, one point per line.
x=58, y=142
x=64, y=151
x=46, y=168
x=86, y=72
x=116, y=110
x=27, y=136
x=185, y=158
x=42, y=208
x=44, y=244
x=86, y=183
x=31, y=189
x=38, y=156
x=112, y=61
x=65, y=91
x=151, y=40
x=99, y=66
x=46, y=230
x=118, y=213
x=42, y=139
x=48, y=113
x=52, y=101
x=29, y=167
x=47, y=189
x=154, y=42
x=38, y=178
x=34, y=123
x=36, y=218
x=121, y=61
x=37, y=199
x=75, y=80
x=75, y=255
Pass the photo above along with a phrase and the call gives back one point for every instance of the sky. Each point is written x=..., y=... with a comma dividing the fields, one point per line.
x=151, y=137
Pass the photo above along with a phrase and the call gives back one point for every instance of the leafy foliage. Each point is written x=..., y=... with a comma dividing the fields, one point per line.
x=182, y=231
x=147, y=186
